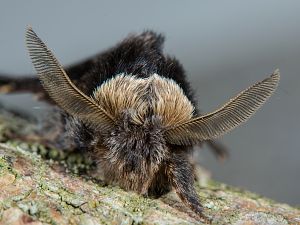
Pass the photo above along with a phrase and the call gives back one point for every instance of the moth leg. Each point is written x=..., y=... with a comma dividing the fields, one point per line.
x=160, y=184
x=182, y=178
x=220, y=151
x=13, y=84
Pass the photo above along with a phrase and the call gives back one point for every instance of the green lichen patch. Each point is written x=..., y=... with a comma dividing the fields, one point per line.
x=6, y=167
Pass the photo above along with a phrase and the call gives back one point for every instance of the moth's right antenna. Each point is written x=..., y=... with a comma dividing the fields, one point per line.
x=60, y=87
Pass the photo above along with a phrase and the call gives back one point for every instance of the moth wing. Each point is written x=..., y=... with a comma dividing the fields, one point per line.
x=226, y=118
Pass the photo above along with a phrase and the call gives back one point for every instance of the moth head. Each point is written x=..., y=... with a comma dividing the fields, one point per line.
x=154, y=101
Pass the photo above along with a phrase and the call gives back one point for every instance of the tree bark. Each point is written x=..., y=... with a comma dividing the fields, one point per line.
x=43, y=186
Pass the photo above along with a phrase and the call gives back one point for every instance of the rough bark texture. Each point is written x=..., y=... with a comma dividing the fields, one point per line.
x=45, y=186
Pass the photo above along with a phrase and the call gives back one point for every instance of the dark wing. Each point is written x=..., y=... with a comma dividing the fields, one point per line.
x=226, y=118
x=60, y=88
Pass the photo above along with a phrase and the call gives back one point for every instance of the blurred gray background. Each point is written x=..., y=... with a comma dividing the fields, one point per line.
x=225, y=46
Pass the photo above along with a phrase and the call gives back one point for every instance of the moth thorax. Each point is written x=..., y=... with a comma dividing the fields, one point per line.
x=154, y=95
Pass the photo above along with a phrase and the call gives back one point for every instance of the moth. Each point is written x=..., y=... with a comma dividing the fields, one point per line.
x=132, y=110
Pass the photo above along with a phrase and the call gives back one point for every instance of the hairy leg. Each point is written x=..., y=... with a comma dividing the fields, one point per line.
x=181, y=175
x=160, y=184
x=220, y=151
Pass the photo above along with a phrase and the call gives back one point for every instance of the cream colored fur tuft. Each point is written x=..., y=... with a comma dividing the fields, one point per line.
x=153, y=95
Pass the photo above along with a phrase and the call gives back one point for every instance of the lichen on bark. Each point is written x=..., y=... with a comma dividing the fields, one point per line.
x=44, y=186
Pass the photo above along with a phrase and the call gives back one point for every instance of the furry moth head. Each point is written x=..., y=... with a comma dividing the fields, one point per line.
x=143, y=97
